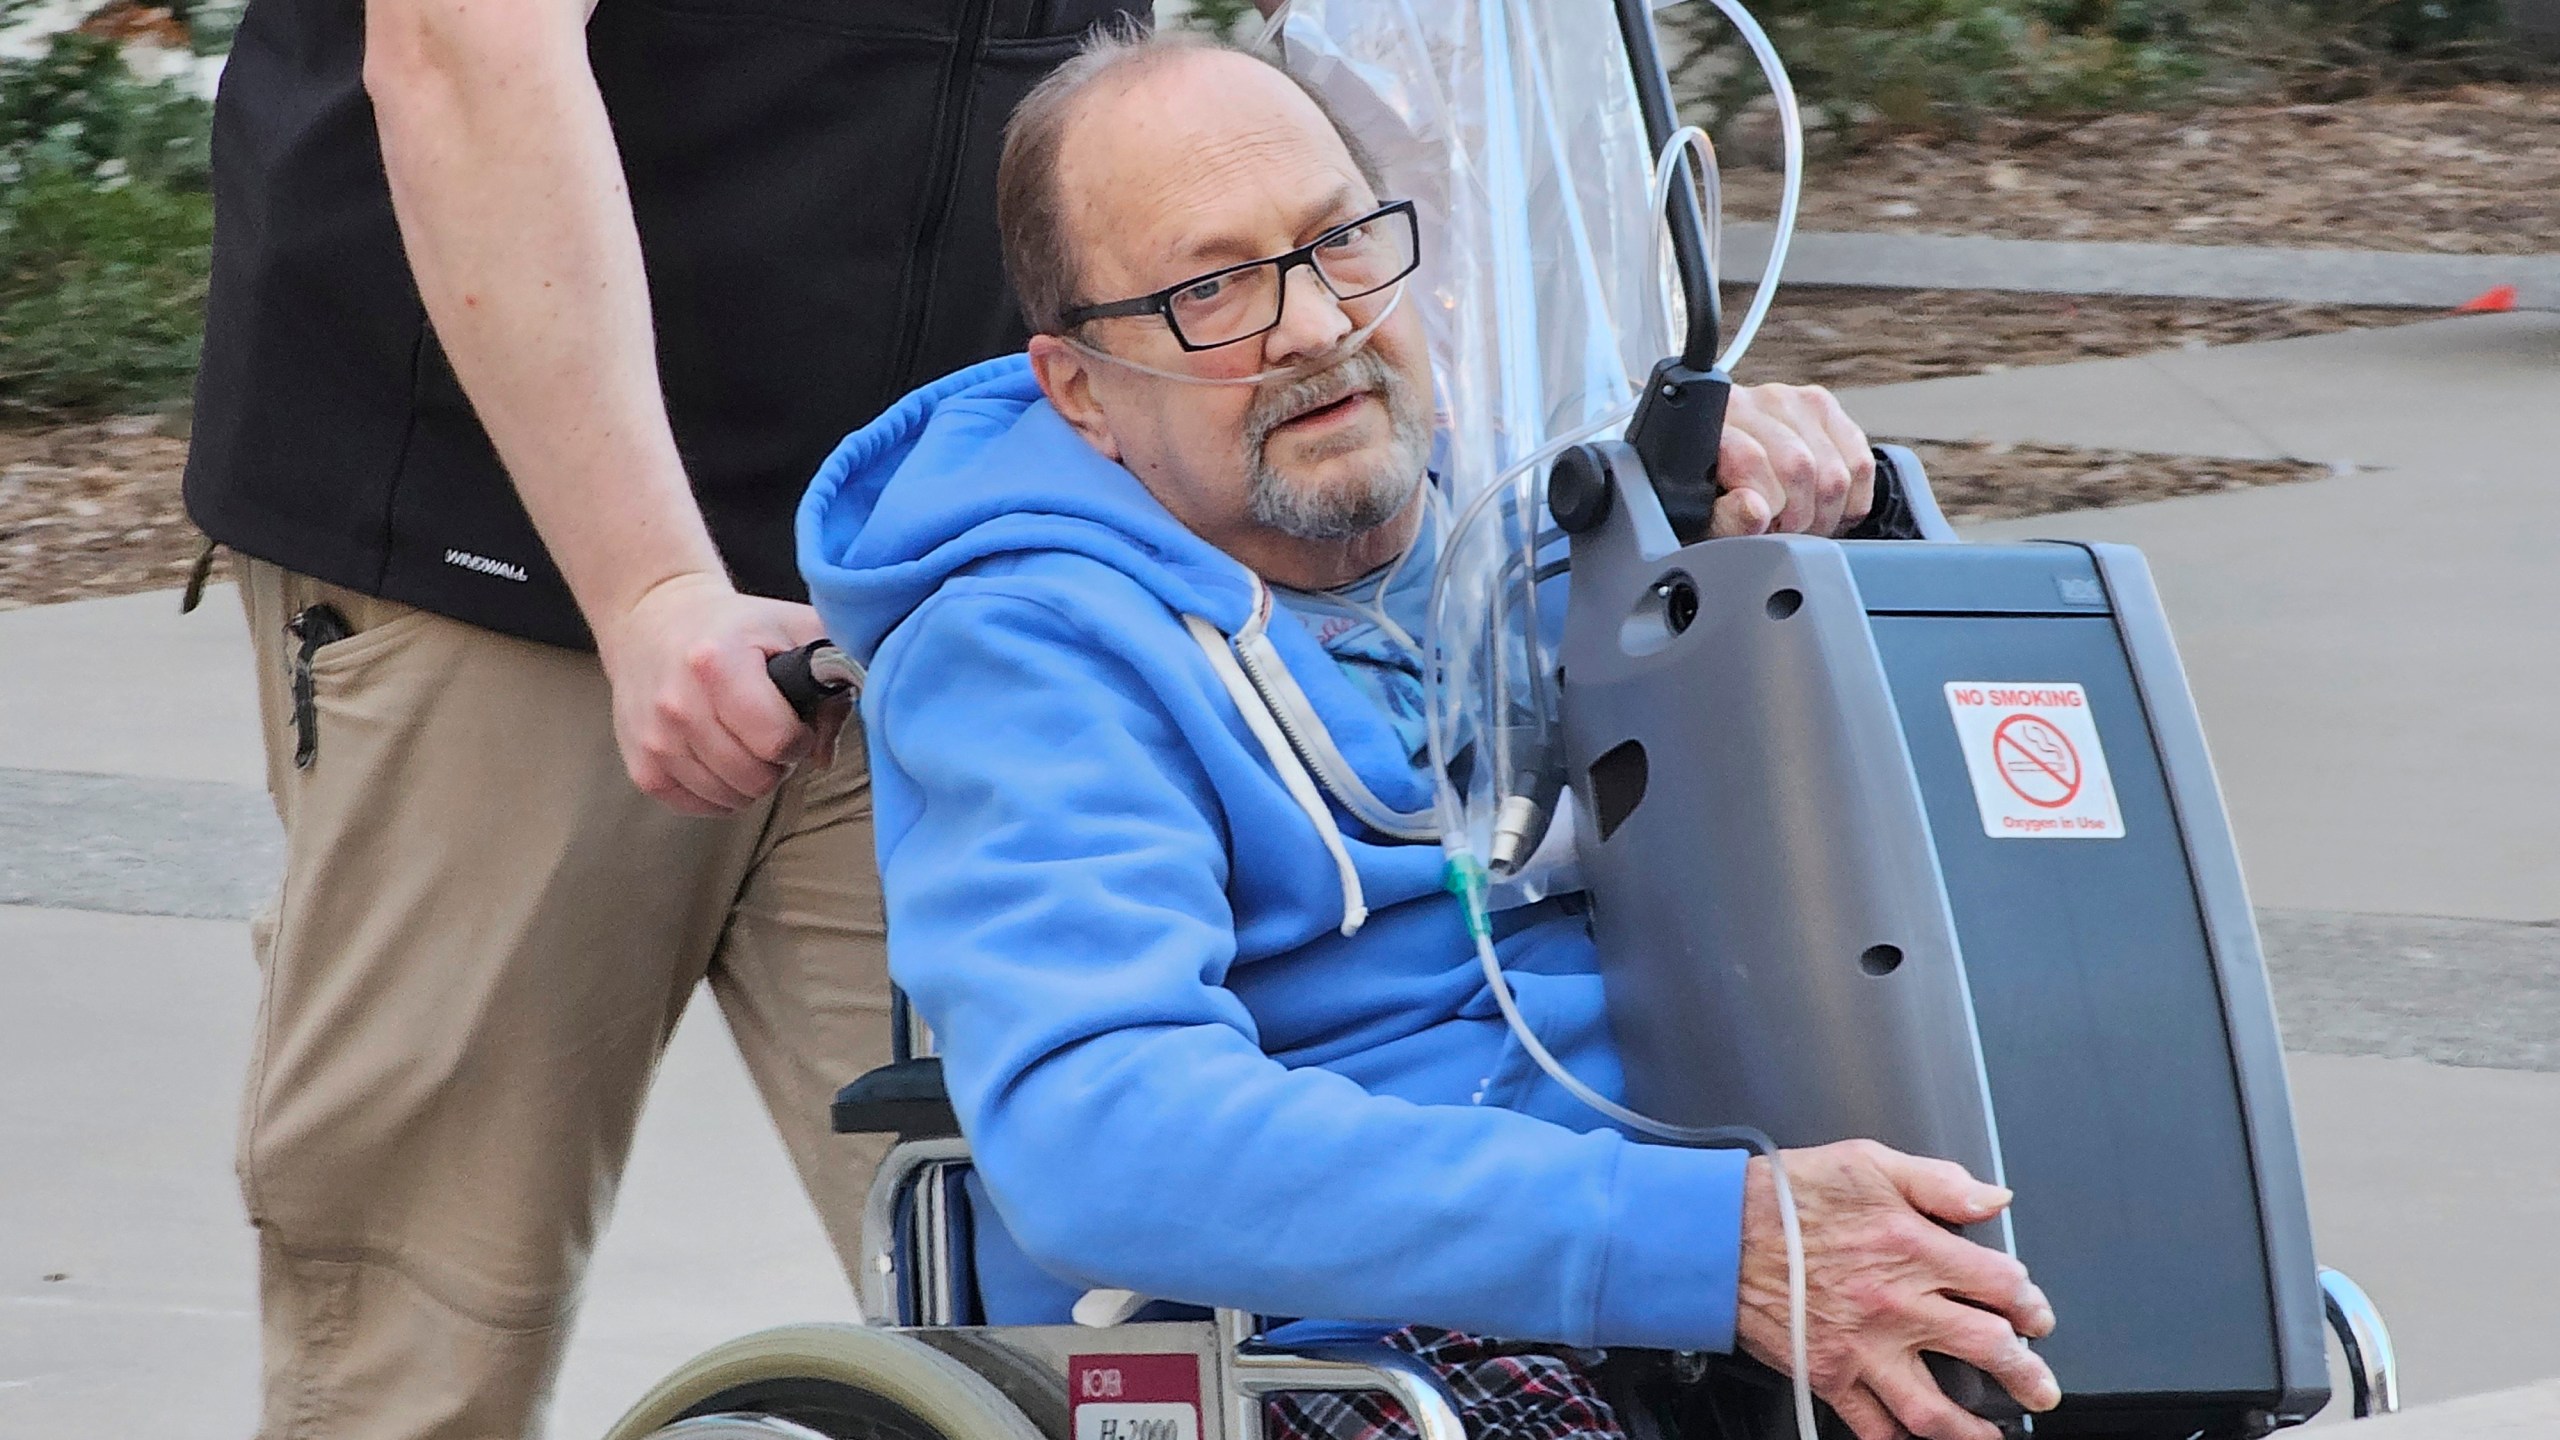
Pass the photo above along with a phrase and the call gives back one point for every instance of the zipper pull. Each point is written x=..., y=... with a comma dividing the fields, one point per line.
x=316, y=626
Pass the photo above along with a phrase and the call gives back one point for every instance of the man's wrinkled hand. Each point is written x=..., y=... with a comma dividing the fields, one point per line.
x=701, y=726
x=1792, y=462
x=1884, y=1283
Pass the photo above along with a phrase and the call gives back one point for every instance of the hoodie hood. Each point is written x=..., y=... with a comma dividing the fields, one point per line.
x=979, y=465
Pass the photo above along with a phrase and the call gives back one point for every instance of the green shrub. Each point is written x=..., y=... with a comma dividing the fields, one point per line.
x=1927, y=64
x=1864, y=66
x=2327, y=49
x=1226, y=19
x=77, y=106
x=105, y=233
x=210, y=23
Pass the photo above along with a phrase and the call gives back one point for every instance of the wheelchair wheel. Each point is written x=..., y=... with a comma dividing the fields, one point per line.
x=738, y=1427
x=825, y=1382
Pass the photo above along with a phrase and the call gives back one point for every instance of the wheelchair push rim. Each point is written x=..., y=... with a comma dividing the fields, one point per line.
x=825, y=1382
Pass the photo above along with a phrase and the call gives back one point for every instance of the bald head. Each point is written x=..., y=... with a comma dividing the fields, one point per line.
x=1133, y=119
x=1172, y=167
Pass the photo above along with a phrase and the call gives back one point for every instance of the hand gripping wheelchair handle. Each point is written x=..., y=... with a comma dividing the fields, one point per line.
x=812, y=675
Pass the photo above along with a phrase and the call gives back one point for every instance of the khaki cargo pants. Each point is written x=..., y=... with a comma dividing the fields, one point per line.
x=484, y=937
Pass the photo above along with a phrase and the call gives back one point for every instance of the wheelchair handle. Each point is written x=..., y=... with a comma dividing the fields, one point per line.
x=812, y=675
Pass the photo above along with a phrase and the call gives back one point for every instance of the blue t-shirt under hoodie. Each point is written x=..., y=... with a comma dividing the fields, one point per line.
x=1178, y=1076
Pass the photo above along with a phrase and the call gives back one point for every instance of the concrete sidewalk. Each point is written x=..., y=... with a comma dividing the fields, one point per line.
x=131, y=687
x=2377, y=656
x=2528, y=1412
x=2459, y=991
x=127, y=1273
x=2094, y=267
x=122, y=1040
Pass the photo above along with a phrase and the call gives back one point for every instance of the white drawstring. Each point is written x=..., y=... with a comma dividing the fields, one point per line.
x=1293, y=772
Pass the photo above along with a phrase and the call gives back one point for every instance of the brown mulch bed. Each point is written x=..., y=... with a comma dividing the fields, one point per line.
x=2471, y=171
x=1979, y=481
x=1844, y=337
x=92, y=509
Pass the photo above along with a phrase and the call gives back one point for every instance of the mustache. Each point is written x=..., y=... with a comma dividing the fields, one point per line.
x=1275, y=405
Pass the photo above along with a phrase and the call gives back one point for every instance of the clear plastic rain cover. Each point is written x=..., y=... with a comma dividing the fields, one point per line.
x=1548, y=289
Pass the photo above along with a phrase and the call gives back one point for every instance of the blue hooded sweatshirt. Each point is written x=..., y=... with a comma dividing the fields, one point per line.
x=1177, y=1074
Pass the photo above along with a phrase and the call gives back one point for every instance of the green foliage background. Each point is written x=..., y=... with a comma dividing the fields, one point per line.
x=106, y=227
x=1869, y=67
x=1227, y=19
x=106, y=216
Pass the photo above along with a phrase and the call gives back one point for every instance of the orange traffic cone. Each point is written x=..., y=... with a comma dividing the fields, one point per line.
x=2489, y=302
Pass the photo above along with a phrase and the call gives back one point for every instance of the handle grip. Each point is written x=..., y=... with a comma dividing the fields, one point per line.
x=1972, y=1390
x=812, y=675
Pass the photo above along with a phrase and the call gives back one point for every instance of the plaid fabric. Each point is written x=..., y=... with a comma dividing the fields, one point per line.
x=1504, y=1392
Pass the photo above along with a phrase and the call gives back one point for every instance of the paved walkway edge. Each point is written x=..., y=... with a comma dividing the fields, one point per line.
x=2202, y=272
x=2528, y=1412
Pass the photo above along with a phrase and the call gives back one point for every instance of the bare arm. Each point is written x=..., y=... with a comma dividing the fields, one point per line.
x=512, y=207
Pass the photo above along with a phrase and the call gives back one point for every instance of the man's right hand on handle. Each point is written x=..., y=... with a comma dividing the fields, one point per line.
x=1885, y=1282
x=701, y=727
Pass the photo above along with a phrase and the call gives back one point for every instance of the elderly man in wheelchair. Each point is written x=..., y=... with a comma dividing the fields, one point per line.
x=1216, y=1036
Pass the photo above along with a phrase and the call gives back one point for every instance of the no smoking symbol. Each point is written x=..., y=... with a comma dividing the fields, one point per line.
x=2037, y=760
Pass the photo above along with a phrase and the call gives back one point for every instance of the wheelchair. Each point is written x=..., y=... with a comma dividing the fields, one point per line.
x=922, y=1366
x=919, y=1369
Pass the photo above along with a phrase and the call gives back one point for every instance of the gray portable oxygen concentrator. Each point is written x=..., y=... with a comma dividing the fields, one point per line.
x=1918, y=841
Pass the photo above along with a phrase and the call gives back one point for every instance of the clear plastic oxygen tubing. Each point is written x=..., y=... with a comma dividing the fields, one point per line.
x=1340, y=350
x=1466, y=873
x=1791, y=130
x=1665, y=175
x=1376, y=608
x=1791, y=139
x=1466, y=878
x=1452, y=541
x=1349, y=344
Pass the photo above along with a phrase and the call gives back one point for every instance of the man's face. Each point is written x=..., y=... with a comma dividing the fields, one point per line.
x=1197, y=162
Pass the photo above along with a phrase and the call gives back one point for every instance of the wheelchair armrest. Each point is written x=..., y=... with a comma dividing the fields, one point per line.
x=904, y=1098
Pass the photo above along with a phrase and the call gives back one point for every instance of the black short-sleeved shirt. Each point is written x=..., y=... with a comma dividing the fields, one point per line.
x=814, y=186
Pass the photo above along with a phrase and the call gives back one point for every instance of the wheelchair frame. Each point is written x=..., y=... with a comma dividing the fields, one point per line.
x=909, y=1275
x=910, y=1282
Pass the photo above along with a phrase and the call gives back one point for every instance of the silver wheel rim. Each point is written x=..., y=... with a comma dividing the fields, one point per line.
x=736, y=1427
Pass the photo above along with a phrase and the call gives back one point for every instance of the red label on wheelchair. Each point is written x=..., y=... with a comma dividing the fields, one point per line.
x=1135, y=1397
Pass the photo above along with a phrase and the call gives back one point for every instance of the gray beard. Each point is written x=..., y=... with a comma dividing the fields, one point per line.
x=1371, y=500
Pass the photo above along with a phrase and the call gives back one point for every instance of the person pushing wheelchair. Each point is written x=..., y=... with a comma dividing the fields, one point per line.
x=1212, y=1038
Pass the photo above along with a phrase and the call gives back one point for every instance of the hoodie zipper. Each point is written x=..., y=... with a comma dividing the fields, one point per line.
x=1280, y=715
x=1284, y=715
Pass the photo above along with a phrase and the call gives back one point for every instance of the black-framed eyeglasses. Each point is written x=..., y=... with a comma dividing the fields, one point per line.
x=1359, y=257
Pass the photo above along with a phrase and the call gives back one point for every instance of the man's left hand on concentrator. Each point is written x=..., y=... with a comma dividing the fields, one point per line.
x=1793, y=462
